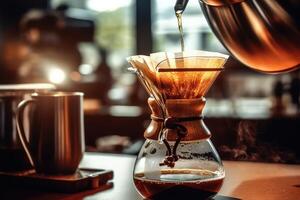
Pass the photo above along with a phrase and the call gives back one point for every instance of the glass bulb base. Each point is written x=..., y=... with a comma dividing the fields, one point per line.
x=198, y=173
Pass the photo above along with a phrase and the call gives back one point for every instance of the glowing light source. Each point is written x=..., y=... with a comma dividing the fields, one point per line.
x=86, y=69
x=111, y=5
x=56, y=75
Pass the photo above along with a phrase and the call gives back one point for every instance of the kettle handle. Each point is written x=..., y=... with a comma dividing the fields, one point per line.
x=20, y=128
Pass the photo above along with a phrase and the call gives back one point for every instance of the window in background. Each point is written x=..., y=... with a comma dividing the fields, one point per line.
x=114, y=29
x=197, y=34
x=104, y=66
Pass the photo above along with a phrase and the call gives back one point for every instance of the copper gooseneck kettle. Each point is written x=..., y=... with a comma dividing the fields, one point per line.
x=262, y=34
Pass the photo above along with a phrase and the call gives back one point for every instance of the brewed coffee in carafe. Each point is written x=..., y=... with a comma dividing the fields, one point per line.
x=178, y=157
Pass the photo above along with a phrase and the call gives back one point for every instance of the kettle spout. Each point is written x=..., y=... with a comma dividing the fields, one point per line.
x=180, y=5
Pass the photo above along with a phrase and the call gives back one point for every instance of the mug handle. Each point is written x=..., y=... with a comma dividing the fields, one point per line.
x=21, y=133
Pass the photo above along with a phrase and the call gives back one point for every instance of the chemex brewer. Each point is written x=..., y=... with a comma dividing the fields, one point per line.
x=178, y=156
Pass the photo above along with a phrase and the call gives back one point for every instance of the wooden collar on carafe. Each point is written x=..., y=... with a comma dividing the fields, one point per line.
x=187, y=111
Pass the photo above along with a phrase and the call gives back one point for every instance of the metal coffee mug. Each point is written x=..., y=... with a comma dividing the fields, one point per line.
x=12, y=156
x=56, y=142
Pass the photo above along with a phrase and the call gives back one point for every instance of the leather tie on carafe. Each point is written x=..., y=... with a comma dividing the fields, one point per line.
x=183, y=123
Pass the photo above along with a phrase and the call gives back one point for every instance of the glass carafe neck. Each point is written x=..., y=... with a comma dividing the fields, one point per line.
x=180, y=113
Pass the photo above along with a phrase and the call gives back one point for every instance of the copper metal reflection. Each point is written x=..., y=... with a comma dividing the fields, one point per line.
x=221, y=2
x=263, y=34
x=56, y=142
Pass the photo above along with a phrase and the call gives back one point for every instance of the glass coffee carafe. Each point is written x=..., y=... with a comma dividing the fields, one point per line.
x=178, y=157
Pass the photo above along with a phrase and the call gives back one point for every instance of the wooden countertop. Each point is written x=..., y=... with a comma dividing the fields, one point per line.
x=244, y=180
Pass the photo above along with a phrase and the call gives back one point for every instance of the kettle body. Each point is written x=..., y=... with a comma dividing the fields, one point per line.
x=262, y=34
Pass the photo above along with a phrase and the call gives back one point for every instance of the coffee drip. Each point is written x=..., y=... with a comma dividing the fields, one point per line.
x=180, y=28
x=177, y=154
x=179, y=8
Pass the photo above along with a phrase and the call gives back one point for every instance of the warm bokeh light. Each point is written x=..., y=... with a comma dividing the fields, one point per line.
x=86, y=69
x=56, y=75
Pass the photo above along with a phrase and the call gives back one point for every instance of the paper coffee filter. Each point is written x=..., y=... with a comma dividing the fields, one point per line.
x=180, y=75
x=187, y=75
x=145, y=70
x=188, y=59
x=144, y=65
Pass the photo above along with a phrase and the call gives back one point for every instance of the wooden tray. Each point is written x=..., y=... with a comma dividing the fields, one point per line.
x=83, y=179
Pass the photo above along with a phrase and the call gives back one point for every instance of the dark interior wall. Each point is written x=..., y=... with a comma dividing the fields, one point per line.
x=143, y=27
x=11, y=12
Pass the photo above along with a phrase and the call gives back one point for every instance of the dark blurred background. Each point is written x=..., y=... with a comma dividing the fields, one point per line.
x=82, y=45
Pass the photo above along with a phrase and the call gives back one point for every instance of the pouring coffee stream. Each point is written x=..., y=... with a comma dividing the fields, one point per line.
x=179, y=8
